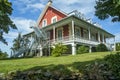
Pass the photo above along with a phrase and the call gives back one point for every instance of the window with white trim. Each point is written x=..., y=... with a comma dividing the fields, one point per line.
x=54, y=19
x=44, y=23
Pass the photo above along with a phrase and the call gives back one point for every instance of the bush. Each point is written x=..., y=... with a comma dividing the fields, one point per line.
x=59, y=50
x=101, y=48
x=82, y=49
x=117, y=46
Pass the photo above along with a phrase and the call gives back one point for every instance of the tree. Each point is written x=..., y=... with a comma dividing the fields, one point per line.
x=17, y=42
x=3, y=55
x=5, y=22
x=108, y=8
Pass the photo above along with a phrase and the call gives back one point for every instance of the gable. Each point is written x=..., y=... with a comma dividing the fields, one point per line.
x=49, y=14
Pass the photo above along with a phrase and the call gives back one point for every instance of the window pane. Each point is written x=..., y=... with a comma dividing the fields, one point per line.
x=59, y=34
x=77, y=32
x=54, y=20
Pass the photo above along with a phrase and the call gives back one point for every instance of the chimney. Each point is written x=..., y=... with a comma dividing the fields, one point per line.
x=49, y=2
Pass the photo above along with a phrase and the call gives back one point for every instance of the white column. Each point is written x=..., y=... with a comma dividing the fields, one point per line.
x=99, y=36
x=73, y=31
x=89, y=34
x=103, y=38
x=73, y=49
x=90, y=49
x=54, y=33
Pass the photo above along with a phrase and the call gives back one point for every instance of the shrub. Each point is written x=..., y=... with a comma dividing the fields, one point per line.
x=59, y=50
x=106, y=69
x=113, y=62
x=98, y=71
x=101, y=48
x=82, y=49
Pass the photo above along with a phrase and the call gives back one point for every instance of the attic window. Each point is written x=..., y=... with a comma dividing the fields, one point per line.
x=44, y=23
x=54, y=19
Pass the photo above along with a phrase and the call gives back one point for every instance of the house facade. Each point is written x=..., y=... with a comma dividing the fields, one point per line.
x=71, y=29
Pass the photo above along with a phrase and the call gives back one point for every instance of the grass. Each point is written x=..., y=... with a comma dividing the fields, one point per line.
x=72, y=62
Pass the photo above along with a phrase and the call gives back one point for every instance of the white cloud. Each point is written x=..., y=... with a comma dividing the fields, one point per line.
x=36, y=6
x=23, y=24
x=84, y=6
x=28, y=5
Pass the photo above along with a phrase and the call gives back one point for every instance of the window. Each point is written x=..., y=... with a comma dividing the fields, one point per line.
x=59, y=34
x=48, y=34
x=54, y=19
x=77, y=32
x=44, y=23
x=85, y=33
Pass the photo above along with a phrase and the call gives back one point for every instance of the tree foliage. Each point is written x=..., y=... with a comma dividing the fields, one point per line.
x=17, y=42
x=5, y=22
x=108, y=8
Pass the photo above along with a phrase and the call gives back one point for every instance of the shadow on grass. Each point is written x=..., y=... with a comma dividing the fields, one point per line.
x=72, y=71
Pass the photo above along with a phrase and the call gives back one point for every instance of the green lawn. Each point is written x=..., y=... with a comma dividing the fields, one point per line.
x=71, y=62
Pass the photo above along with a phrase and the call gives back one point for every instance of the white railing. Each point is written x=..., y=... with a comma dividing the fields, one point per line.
x=69, y=39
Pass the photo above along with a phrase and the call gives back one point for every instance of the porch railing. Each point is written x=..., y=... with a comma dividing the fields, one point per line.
x=69, y=39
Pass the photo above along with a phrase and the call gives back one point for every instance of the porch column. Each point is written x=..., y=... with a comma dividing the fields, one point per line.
x=73, y=31
x=99, y=36
x=90, y=49
x=73, y=49
x=54, y=33
x=103, y=38
x=89, y=34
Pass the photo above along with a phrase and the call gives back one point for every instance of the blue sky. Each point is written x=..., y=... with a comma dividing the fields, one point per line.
x=26, y=12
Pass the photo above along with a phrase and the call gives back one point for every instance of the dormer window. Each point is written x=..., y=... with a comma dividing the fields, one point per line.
x=54, y=19
x=44, y=23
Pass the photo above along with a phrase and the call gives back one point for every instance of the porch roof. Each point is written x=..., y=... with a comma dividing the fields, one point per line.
x=77, y=20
